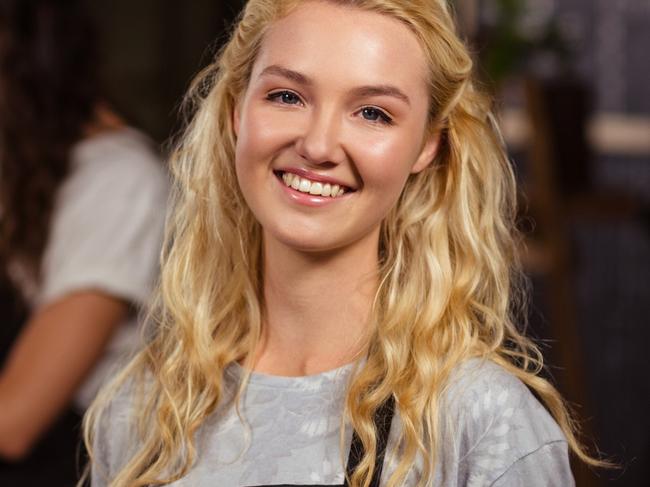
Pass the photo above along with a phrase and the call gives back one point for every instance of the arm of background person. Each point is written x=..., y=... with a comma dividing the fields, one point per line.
x=54, y=352
x=105, y=236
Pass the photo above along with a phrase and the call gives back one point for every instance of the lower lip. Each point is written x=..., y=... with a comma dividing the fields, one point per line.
x=306, y=198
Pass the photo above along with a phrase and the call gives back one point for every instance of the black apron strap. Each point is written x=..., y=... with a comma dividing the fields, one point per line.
x=383, y=419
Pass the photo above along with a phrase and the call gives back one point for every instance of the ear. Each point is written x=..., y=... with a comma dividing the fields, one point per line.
x=427, y=153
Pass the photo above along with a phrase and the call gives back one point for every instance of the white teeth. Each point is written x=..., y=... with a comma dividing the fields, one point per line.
x=312, y=187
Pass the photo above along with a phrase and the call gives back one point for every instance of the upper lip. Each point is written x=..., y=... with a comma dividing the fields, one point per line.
x=306, y=173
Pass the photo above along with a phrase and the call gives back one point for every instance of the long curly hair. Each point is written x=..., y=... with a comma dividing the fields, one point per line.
x=450, y=289
x=48, y=89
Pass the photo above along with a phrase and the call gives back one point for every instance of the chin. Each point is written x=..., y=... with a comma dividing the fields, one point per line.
x=318, y=241
x=306, y=244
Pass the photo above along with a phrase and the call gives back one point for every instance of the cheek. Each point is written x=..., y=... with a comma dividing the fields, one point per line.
x=387, y=162
x=260, y=136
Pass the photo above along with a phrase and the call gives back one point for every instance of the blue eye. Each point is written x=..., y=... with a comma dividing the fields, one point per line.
x=285, y=97
x=375, y=115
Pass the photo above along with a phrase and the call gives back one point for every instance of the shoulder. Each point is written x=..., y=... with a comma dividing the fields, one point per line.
x=478, y=387
x=107, y=227
x=116, y=174
x=119, y=403
x=114, y=430
x=496, y=423
x=124, y=156
x=123, y=147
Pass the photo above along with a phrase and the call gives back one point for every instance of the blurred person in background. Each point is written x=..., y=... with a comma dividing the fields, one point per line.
x=82, y=204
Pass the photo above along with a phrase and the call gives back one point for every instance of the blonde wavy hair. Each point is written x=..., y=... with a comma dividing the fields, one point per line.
x=450, y=284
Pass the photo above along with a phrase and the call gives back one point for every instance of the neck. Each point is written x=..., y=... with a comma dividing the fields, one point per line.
x=317, y=307
x=104, y=120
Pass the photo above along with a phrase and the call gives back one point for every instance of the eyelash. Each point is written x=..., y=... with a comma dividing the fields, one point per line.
x=383, y=118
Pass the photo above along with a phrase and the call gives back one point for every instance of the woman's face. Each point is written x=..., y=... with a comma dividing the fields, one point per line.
x=331, y=125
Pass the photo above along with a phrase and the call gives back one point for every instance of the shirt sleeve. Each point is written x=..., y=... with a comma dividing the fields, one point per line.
x=504, y=435
x=107, y=226
x=545, y=467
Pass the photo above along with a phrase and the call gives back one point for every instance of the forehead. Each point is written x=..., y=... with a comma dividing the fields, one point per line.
x=345, y=44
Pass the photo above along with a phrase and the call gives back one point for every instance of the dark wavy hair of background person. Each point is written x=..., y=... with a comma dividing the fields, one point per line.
x=48, y=90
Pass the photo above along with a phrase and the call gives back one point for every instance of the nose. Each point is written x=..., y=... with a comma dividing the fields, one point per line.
x=320, y=140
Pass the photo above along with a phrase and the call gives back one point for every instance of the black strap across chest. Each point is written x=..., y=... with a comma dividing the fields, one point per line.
x=383, y=419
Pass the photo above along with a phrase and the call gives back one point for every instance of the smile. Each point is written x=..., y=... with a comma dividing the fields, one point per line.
x=314, y=188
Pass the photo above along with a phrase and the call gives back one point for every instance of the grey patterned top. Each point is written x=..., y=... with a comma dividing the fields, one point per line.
x=495, y=433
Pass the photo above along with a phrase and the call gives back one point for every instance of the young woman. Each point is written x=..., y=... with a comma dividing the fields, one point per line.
x=340, y=280
x=82, y=203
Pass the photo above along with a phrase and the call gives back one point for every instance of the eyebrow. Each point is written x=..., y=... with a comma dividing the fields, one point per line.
x=361, y=91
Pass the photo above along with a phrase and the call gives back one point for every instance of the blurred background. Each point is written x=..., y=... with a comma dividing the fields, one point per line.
x=571, y=80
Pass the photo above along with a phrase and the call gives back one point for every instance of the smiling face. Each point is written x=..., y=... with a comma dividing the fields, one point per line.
x=331, y=125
